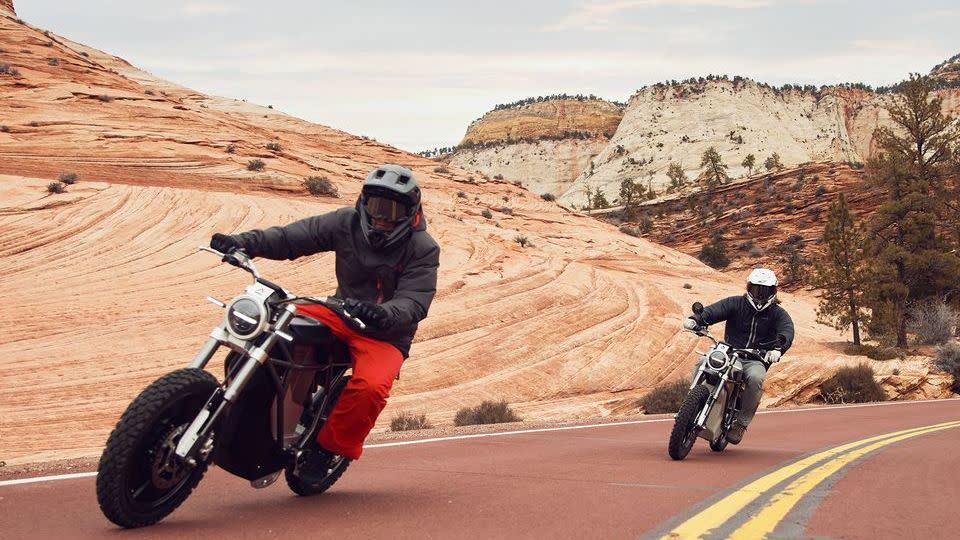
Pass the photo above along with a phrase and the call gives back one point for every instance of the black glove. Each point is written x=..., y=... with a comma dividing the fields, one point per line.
x=372, y=314
x=224, y=243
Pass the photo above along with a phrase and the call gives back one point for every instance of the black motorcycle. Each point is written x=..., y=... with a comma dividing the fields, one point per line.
x=713, y=402
x=283, y=375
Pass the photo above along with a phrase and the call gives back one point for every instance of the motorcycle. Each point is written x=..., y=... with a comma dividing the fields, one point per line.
x=714, y=399
x=282, y=377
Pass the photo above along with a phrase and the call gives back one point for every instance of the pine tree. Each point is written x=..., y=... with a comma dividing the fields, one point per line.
x=911, y=261
x=773, y=162
x=598, y=199
x=676, y=175
x=749, y=162
x=631, y=193
x=841, y=276
x=714, y=168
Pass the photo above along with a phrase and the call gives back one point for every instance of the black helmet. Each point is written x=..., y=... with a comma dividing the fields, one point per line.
x=391, y=196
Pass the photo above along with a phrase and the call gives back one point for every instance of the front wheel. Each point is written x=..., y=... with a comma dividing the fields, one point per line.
x=685, y=431
x=140, y=480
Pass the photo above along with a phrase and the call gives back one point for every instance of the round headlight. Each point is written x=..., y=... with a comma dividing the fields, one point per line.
x=717, y=359
x=244, y=317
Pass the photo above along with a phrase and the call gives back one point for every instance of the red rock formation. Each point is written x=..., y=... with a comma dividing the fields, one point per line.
x=7, y=6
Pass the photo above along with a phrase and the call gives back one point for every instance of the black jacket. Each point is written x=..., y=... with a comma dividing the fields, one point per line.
x=748, y=328
x=402, y=277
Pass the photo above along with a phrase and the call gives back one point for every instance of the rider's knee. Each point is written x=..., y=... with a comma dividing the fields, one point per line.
x=375, y=390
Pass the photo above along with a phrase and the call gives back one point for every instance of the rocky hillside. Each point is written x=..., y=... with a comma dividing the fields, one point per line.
x=676, y=122
x=542, y=144
x=6, y=8
x=773, y=220
x=949, y=70
x=666, y=124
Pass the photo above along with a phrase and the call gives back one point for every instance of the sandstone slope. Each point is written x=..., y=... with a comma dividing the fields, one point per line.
x=105, y=289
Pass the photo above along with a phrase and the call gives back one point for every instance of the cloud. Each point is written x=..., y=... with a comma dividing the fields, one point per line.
x=203, y=9
x=592, y=16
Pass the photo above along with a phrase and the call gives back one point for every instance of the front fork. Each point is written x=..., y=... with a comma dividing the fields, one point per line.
x=701, y=421
x=202, y=426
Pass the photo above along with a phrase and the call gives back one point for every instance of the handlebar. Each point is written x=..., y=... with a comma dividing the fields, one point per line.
x=757, y=354
x=332, y=303
x=242, y=260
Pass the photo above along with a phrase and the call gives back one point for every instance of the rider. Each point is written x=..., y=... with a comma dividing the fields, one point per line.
x=386, y=268
x=754, y=320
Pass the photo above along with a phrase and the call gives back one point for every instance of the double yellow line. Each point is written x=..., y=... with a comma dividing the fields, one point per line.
x=821, y=466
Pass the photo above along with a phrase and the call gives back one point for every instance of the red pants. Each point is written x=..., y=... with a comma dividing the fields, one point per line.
x=375, y=366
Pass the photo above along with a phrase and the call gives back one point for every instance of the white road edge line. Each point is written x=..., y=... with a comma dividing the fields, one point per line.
x=72, y=476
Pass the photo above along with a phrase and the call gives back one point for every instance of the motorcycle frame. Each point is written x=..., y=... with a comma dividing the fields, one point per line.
x=254, y=353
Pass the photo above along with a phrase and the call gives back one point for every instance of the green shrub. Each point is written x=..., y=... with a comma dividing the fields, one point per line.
x=406, y=422
x=321, y=186
x=548, y=197
x=274, y=147
x=872, y=351
x=852, y=385
x=462, y=195
x=932, y=322
x=231, y=148
x=948, y=359
x=53, y=61
x=714, y=254
x=488, y=412
x=256, y=165
x=522, y=240
x=441, y=170
x=69, y=178
x=105, y=98
x=56, y=187
x=665, y=398
x=487, y=214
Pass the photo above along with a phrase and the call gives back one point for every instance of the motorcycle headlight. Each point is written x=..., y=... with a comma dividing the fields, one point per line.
x=717, y=359
x=245, y=318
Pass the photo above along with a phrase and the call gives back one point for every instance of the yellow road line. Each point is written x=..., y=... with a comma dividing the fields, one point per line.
x=718, y=513
x=781, y=504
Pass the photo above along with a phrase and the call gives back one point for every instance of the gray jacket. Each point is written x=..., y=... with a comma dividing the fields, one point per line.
x=402, y=278
x=746, y=327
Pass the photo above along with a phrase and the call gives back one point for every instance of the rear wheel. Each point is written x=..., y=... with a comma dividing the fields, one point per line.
x=140, y=480
x=685, y=432
x=298, y=485
x=720, y=444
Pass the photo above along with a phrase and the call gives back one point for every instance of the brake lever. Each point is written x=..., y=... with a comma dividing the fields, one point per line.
x=356, y=320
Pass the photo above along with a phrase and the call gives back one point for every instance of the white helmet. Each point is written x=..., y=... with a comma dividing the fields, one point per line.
x=761, y=288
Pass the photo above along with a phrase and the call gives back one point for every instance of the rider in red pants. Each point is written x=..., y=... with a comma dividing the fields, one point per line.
x=386, y=267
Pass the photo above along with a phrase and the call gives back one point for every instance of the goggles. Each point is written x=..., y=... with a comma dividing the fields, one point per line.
x=386, y=209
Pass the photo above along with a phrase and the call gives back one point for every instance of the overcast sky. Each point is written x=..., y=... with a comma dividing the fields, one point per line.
x=415, y=74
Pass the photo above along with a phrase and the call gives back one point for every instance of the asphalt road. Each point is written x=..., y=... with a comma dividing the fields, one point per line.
x=876, y=471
